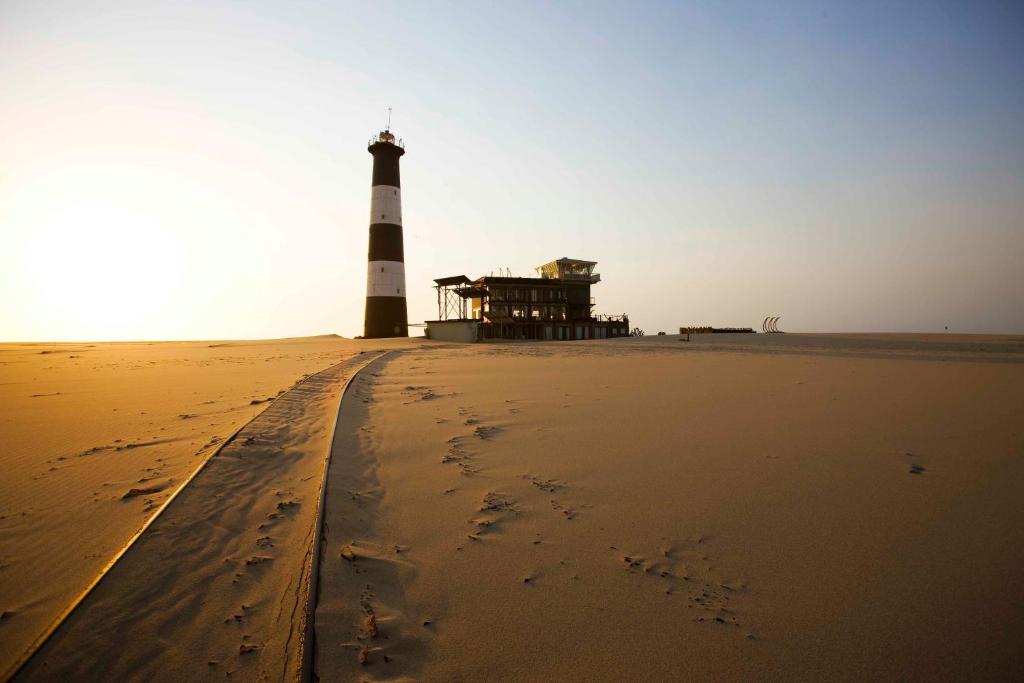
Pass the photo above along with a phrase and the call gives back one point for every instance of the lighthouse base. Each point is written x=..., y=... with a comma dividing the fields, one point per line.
x=386, y=316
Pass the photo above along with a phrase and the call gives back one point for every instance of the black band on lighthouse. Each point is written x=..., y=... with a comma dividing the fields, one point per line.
x=386, y=243
x=385, y=163
x=383, y=315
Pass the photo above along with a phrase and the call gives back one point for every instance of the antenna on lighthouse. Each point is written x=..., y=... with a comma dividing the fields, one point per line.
x=388, y=127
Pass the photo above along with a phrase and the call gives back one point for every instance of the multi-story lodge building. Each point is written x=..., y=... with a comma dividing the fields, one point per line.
x=557, y=305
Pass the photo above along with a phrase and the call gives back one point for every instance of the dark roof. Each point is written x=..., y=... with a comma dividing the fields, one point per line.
x=471, y=292
x=453, y=280
x=534, y=281
x=566, y=260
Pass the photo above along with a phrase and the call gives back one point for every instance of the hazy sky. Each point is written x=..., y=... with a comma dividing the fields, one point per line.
x=199, y=169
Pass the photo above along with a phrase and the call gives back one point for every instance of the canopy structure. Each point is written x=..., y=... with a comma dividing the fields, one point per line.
x=567, y=268
x=452, y=281
x=452, y=293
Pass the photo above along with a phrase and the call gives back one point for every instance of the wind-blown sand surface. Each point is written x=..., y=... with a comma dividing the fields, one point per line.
x=218, y=585
x=748, y=507
x=798, y=506
x=83, y=425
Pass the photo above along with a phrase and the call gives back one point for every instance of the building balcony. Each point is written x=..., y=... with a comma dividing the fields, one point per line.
x=592, y=278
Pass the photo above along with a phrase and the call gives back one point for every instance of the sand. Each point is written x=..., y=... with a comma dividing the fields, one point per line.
x=789, y=507
x=733, y=507
x=218, y=585
x=84, y=424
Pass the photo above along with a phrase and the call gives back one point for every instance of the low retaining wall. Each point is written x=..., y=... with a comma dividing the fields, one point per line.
x=464, y=331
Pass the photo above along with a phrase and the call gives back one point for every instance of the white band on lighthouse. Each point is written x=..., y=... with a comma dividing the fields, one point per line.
x=386, y=205
x=385, y=278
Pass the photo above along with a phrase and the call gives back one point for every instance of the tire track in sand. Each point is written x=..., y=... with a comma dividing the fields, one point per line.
x=217, y=584
x=365, y=628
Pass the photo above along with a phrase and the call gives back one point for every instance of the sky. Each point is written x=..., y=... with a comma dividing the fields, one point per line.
x=198, y=170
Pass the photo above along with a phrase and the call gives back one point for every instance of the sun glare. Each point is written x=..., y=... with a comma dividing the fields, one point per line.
x=100, y=267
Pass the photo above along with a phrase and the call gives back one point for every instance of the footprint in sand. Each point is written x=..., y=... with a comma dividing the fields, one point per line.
x=459, y=456
x=455, y=452
x=498, y=502
x=283, y=507
x=684, y=568
x=368, y=629
x=548, y=485
x=494, y=509
x=420, y=393
x=915, y=467
x=486, y=433
x=566, y=511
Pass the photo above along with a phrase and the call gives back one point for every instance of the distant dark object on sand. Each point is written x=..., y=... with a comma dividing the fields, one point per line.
x=716, y=330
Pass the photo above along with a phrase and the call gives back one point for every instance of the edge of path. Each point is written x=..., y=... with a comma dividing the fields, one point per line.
x=62, y=618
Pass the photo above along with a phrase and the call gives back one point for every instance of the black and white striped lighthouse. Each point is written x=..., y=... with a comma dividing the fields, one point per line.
x=386, y=314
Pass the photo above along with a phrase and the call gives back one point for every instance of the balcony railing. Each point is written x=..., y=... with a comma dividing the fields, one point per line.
x=386, y=138
x=592, y=278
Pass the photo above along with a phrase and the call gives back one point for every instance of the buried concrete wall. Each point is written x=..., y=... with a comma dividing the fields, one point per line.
x=464, y=331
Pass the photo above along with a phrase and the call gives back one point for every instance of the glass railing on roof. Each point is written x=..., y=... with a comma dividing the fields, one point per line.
x=583, y=277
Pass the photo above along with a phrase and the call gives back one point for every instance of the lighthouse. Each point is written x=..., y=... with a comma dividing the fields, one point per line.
x=386, y=314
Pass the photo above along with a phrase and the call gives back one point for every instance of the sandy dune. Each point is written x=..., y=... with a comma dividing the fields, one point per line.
x=217, y=586
x=84, y=424
x=733, y=508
